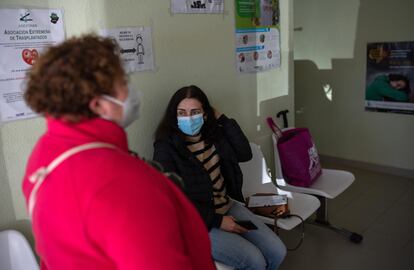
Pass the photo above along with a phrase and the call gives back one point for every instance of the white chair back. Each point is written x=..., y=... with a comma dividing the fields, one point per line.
x=256, y=177
x=15, y=252
x=280, y=180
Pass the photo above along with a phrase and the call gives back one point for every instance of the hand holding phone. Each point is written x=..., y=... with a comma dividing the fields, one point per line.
x=246, y=224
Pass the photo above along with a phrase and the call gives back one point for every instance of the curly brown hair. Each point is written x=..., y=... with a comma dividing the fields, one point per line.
x=66, y=77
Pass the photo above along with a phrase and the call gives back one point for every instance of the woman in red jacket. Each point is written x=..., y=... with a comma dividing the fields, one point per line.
x=93, y=205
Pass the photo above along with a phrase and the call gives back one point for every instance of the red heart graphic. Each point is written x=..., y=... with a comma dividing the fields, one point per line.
x=30, y=56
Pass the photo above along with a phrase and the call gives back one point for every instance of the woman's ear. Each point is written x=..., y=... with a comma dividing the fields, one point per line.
x=96, y=106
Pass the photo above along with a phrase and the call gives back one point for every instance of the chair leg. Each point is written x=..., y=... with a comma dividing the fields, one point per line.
x=322, y=213
x=322, y=220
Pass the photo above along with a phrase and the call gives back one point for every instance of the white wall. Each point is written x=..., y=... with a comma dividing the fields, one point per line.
x=324, y=30
x=326, y=57
x=189, y=49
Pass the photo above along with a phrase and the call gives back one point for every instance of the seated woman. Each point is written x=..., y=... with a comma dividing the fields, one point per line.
x=204, y=147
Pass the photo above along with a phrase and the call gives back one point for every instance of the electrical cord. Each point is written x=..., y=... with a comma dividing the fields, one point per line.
x=276, y=229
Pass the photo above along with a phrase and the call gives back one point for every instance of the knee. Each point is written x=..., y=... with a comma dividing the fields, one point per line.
x=276, y=255
x=254, y=260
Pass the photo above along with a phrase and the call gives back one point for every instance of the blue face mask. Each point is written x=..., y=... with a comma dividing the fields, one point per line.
x=190, y=125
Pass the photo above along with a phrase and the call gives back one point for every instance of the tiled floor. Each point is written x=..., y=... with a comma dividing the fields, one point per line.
x=379, y=206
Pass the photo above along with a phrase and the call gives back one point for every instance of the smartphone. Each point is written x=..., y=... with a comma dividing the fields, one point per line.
x=246, y=224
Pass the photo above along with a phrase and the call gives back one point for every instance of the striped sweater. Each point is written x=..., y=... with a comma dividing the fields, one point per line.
x=207, y=155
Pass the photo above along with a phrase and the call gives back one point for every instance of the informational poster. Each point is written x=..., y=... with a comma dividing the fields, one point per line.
x=24, y=34
x=390, y=77
x=136, y=47
x=191, y=6
x=257, y=35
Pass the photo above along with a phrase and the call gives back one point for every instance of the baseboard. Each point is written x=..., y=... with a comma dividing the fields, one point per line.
x=369, y=166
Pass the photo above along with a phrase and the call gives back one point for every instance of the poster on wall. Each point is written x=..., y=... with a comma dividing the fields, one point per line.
x=136, y=47
x=202, y=6
x=390, y=77
x=257, y=35
x=24, y=34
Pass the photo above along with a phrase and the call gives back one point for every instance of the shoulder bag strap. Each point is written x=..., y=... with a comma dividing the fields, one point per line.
x=40, y=174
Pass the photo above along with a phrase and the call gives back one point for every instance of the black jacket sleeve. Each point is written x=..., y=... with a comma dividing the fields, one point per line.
x=165, y=154
x=162, y=154
x=236, y=138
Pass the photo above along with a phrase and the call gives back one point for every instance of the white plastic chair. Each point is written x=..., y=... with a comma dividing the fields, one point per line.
x=329, y=185
x=256, y=179
x=15, y=252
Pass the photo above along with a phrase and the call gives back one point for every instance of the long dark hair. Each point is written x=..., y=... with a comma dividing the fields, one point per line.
x=398, y=77
x=168, y=124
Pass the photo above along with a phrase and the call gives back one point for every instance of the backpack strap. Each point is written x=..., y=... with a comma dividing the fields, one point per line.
x=40, y=174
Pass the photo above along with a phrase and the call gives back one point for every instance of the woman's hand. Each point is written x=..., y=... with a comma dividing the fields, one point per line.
x=228, y=224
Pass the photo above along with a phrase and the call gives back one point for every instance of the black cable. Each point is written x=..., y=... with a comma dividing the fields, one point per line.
x=303, y=230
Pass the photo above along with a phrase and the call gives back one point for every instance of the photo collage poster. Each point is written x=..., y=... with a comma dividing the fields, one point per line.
x=257, y=35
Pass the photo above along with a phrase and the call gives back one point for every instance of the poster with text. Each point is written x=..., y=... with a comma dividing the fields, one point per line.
x=136, y=47
x=191, y=6
x=24, y=34
x=257, y=35
x=390, y=77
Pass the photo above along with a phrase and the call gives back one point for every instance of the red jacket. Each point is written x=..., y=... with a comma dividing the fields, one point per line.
x=104, y=209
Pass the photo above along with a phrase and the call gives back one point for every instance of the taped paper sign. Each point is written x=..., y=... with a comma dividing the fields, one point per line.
x=200, y=6
x=24, y=34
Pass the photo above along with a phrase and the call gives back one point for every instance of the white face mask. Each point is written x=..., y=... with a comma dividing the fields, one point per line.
x=130, y=106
